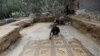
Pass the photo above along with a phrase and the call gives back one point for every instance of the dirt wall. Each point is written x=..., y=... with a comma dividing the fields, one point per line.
x=86, y=27
x=8, y=34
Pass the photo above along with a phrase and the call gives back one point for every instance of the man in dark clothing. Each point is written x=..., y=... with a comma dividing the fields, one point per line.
x=54, y=31
x=56, y=21
x=67, y=10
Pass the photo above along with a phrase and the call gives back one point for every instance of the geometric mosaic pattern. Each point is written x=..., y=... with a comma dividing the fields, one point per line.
x=55, y=47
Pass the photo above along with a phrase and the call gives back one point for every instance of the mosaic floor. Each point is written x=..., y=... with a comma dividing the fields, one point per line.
x=55, y=47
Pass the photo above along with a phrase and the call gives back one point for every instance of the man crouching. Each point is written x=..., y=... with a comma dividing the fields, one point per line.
x=54, y=31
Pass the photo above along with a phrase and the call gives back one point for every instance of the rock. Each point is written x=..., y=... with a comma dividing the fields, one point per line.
x=8, y=34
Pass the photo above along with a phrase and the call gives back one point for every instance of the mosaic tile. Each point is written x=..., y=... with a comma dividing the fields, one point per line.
x=28, y=52
x=61, y=52
x=45, y=52
x=44, y=43
x=58, y=42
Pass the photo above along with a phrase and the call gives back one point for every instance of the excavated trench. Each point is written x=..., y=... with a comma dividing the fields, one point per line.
x=34, y=41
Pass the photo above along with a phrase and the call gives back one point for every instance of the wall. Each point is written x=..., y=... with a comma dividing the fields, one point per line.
x=86, y=27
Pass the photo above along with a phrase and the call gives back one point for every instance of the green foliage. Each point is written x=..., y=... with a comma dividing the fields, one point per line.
x=55, y=7
x=14, y=8
x=7, y=7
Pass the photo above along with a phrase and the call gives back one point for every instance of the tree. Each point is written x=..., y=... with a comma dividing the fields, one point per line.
x=9, y=6
x=55, y=7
